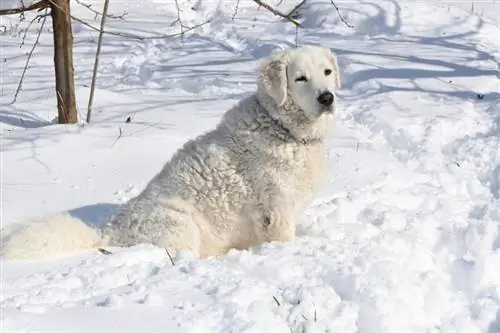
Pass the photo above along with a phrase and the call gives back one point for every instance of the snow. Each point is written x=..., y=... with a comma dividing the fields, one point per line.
x=405, y=236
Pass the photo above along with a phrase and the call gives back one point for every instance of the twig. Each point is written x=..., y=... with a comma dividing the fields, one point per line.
x=291, y=14
x=30, y=54
x=40, y=4
x=131, y=36
x=97, y=13
x=178, y=20
x=340, y=15
x=21, y=15
x=96, y=62
x=23, y=122
x=315, y=313
x=120, y=133
x=170, y=257
x=294, y=9
x=236, y=9
x=276, y=300
x=104, y=251
x=38, y=17
x=278, y=13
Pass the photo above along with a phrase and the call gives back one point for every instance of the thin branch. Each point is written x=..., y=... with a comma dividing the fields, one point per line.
x=278, y=13
x=292, y=13
x=340, y=15
x=21, y=15
x=170, y=257
x=296, y=36
x=119, y=136
x=96, y=62
x=104, y=251
x=132, y=36
x=37, y=5
x=315, y=313
x=38, y=17
x=127, y=35
x=296, y=8
x=30, y=54
x=178, y=20
x=97, y=13
x=236, y=9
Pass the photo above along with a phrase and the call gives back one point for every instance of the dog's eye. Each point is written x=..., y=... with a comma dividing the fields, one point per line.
x=328, y=72
x=301, y=79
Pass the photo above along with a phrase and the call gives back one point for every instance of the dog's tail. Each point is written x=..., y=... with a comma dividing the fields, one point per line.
x=50, y=236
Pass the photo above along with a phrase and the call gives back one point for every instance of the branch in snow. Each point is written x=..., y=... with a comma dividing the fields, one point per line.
x=120, y=133
x=22, y=8
x=170, y=257
x=104, y=251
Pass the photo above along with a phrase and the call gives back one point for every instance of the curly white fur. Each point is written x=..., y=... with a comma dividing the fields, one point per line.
x=241, y=184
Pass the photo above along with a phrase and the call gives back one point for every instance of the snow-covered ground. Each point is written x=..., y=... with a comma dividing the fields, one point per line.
x=405, y=237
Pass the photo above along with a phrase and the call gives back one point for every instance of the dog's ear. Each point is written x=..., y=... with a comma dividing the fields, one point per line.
x=272, y=78
x=333, y=59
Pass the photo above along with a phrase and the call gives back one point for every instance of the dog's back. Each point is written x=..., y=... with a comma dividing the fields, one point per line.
x=207, y=184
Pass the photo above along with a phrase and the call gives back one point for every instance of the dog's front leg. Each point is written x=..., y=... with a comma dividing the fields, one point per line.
x=277, y=225
x=276, y=213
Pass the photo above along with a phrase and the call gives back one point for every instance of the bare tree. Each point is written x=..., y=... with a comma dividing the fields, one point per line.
x=60, y=13
x=63, y=55
x=63, y=61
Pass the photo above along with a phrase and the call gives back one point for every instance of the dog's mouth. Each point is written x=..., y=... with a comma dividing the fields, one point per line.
x=328, y=109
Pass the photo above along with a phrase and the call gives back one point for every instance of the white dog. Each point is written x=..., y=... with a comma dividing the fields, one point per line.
x=244, y=183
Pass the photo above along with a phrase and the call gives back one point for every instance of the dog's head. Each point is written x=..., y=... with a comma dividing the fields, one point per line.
x=303, y=79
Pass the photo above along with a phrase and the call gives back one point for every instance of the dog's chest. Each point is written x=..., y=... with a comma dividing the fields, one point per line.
x=302, y=168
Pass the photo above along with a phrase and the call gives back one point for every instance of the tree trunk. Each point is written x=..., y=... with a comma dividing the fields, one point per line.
x=63, y=61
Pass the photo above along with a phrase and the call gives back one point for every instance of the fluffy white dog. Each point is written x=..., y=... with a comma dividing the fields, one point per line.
x=244, y=183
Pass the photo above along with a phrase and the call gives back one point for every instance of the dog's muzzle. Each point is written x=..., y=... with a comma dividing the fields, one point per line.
x=326, y=98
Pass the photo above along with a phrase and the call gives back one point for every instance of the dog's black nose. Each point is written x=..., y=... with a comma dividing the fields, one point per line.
x=326, y=98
